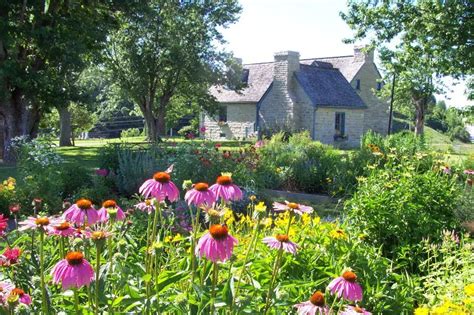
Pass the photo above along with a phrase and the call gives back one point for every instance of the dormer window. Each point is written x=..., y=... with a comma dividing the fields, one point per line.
x=358, y=84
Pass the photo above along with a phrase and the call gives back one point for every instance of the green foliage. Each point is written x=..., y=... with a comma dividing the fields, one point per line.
x=131, y=132
x=176, y=61
x=409, y=199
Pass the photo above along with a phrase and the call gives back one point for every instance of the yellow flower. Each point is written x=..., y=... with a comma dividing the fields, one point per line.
x=469, y=289
x=316, y=220
x=260, y=207
x=422, y=311
x=337, y=234
x=306, y=218
x=229, y=217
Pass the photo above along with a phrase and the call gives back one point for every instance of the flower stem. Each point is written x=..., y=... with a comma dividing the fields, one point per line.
x=214, y=285
x=276, y=266
x=76, y=301
x=247, y=253
x=97, y=276
x=44, y=304
x=193, y=245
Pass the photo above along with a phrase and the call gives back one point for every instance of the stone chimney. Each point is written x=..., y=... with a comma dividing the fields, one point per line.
x=286, y=63
x=360, y=55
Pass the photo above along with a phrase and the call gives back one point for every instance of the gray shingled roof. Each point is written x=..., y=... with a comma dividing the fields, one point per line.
x=259, y=79
x=346, y=64
x=327, y=87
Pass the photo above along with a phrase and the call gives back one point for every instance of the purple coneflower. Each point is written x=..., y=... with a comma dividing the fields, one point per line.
x=217, y=244
x=111, y=209
x=35, y=223
x=61, y=227
x=292, y=206
x=146, y=205
x=315, y=306
x=469, y=172
x=22, y=296
x=224, y=188
x=160, y=187
x=281, y=241
x=81, y=213
x=73, y=272
x=355, y=310
x=346, y=286
x=200, y=195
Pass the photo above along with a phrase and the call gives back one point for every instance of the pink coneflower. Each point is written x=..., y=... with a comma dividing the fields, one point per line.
x=22, y=296
x=146, y=205
x=11, y=255
x=6, y=287
x=469, y=172
x=160, y=187
x=102, y=172
x=200, y=195
x=446, y=170
x=61, y=228
x=3, y=224
x=73, y=272
x=35, y=223
x=81, y=213
x=217, y=244
x=111, y=209
x=292, y=206
x=355, y=310
x=14, y=208
x=315, y=306
x=202, y=129
x=224, y=188
x=281, y=241
x=346, y=286
x=259, y=144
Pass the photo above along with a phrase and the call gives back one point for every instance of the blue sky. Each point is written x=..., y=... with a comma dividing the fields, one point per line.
x=311, y=27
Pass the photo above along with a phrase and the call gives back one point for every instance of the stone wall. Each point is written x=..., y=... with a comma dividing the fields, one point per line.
x=240, y=123
x=325, y=126
x=376, y=115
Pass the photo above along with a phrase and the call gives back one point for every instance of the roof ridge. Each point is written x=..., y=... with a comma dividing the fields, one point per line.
x=328, y=57
x=318, y=67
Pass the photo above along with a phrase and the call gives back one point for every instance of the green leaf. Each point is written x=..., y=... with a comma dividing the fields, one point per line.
x=228, y=291
x=146, y=278
x=166, y=278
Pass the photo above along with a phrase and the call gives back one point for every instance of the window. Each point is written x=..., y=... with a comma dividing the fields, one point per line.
x=222, y=114
x=379, y=86
x=358, y=84
x=340, y=126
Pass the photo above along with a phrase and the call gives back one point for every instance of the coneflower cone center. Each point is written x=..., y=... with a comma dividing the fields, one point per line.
x=358, y=309
x=109, y=204
x=63, y=226
x=317, y=299
x=18, y=292
x=84, y=204
x=282, y=238
x=293, y=205
x=349, y=276
x=224, y=180
x=218, y=231
x=201, y=187
x=74, y=258
x=162, y=177
x=97, y=235
x=42, y=221
x=148, y=202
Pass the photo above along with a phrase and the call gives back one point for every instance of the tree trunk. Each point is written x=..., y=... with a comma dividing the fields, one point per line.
x=161, y=123
x=151, y=127
x=65, y=132
x=420, y=100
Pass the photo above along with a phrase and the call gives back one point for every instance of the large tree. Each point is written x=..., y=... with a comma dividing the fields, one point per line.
x=43, y=48
x=167, y=49
x=420, y=40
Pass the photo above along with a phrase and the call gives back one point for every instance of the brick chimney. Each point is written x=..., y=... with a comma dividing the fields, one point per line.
x=360, y=55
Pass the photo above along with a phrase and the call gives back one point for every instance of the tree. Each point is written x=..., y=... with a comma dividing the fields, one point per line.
x=167, y=49
x=420, y=40
x=44, y=45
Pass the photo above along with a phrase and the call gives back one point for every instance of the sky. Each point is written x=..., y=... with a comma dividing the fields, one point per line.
x=311, y=27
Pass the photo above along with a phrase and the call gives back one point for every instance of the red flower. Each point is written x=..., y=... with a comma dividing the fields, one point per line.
x=3, y=224
x=14, y=208
x=12, y=255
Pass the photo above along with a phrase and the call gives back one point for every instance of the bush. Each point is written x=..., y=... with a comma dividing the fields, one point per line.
x=402, y=204
x=131, y=132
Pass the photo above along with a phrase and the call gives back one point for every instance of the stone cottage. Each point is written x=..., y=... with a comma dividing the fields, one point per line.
x=333, y=98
